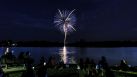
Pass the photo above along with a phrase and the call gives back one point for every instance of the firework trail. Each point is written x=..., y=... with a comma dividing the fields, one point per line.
x=65, y=20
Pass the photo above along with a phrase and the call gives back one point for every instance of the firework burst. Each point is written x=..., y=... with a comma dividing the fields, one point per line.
x=65, y=20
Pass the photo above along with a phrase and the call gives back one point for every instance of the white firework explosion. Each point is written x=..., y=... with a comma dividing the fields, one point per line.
x=65, y=20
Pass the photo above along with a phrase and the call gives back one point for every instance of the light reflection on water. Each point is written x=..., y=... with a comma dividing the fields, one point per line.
x=113, y=55
x=67, y=56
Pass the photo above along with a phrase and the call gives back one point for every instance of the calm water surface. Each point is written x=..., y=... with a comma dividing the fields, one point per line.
x=113, y=55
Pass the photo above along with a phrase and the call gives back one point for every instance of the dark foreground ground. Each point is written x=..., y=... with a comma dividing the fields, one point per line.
x=64, y=72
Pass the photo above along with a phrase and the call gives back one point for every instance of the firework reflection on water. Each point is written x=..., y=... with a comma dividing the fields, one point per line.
x=67, y=56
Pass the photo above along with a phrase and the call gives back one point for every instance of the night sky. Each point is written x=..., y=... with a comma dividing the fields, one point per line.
x=97, y=20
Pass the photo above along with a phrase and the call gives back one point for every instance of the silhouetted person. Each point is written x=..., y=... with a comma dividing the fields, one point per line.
x=21, y=57
x=51, y=62
x=103, y=63
x=29, y=71
x=28, y=58
x=28, y=63
x=87, y=61
x=61, y=64
x=81, y=63
x=93, y=64
x=42, y=68
x=105, y=68
x=123, y=65
x=9, y=58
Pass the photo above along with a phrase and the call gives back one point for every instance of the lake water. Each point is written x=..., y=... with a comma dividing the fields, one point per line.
x=113, y=55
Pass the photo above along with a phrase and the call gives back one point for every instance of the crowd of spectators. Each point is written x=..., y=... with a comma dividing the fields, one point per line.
x=85, y=67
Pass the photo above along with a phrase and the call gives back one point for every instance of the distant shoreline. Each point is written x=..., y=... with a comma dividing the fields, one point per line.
x=75, y=44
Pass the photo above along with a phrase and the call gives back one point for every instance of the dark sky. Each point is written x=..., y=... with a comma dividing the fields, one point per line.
x=97, y=20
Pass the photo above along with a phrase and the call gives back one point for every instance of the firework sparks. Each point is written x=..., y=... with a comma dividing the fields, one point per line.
x=65, y=20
